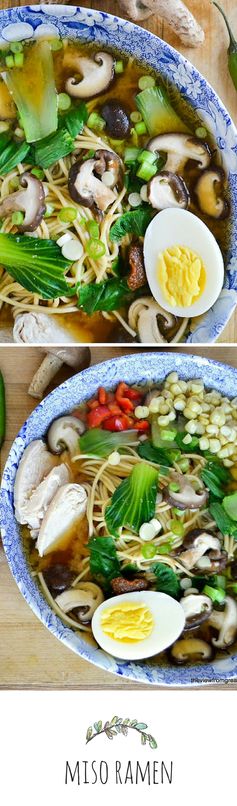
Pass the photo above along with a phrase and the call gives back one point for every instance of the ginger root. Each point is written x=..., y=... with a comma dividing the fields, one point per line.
x=174, y=12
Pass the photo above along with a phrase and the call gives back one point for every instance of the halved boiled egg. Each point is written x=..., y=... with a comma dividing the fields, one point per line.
x=138, y=625
x=183, y=262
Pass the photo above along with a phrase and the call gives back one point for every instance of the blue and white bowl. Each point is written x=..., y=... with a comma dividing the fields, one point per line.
x=136, y=368
x=96, y=26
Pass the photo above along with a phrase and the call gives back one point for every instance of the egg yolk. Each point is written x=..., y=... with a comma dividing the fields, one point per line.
x=181, y=275
x=128, y=622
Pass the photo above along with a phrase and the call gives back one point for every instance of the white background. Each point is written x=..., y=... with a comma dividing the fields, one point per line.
x=39, y=731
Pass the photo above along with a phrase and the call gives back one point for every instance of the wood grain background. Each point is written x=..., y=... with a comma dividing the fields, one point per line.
x=30, y=657
x=210, y=58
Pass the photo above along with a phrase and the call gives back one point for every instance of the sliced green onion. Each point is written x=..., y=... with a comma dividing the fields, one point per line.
x=95, y=121
x=148, y=551
x=166, y=435
x=64, y=101
x=215, y=594
x=95, y=248
x=67, y=214
x=201, y=132
x=176, y=527
x=140, y=128
x=146, y=171
x=19, y=59
x=179, y=512
x=38, y=172
x=131, y=155
x=82, y=222
x=147, y=156
x=14, y=183
x=165, y=548
x=16, y=47
x=88, y=155
x=17, y=217
x=56, y=44
x=49, y=210
x=93, y=229
x=119, y=67
x=145, y=82
x=9, y=61
x=135, y=117
x=184, y=465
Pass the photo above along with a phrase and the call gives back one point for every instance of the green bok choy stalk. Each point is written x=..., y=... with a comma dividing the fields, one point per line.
x=32, y=87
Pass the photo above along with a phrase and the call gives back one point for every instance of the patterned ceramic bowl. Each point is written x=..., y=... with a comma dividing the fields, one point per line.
x=136, y=368
x=105, y=29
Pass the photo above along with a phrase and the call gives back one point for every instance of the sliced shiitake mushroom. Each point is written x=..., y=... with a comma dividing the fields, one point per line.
x=186, y=497
x=190, y=650
x=209, y=191
x=85, y=180
x=179, y=148
x=58, y=577
x=197, y=609
x=97, y=73
x=30, y=200
x=167, y=189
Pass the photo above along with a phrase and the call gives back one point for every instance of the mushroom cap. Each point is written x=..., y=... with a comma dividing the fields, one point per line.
x=201, y=544
x=208, y=190
x=191, y=649
x=34, y=465
x=85, y=597
x=76, y=357
x=117, y=119
x=186, y=497
x=97, y=73
x=64, y=433
x=197, y=608
x=179, y=149
x=64, y=512
x=58, y=577
x=167, y=189
x=30, y=200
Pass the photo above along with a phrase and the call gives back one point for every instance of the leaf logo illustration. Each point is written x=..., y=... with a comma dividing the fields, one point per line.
x=119, y=725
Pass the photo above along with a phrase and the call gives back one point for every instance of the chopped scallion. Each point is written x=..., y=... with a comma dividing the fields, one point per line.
x=19, y=59
x=95, y=248
x=119, y=67
x=145, y=82
x=67, y=214
x=64, y=101
x=17, y=218
x=16, y=47
x=93, y=229
x=135, y=117
x=131, y=155
x=147, y=156
x=38, y=172
x=9, y=60
x=146, y=171
x=95, y=121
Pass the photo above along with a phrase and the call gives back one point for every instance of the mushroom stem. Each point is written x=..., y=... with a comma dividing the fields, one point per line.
x=49, y=367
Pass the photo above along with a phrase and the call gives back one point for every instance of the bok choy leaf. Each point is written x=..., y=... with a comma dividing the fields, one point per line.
x=98, y=442
x=133, y=502
x=35, y=263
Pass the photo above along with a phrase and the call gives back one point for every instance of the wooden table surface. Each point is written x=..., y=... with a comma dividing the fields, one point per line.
x=30, y=657
x=210, y=58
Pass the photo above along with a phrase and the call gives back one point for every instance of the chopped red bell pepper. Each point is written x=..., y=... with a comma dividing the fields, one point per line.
x=141, y=425
x=97, y=416
x=102, y=395
x=117, y=423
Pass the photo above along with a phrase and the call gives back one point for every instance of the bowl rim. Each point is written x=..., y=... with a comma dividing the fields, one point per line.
x=213, y=324
x=147, y=360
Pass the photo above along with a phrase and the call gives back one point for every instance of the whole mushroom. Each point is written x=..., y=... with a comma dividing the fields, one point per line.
x=116, y=118
x=30, y=200
x=153, y=324
x=97, y=74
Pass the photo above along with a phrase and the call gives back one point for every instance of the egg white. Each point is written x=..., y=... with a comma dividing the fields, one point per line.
x=168, y=618
x=180, y=227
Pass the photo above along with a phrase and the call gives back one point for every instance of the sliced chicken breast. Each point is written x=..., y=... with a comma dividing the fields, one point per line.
x=35, y=464
x=40, y=499
x=66, y=509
